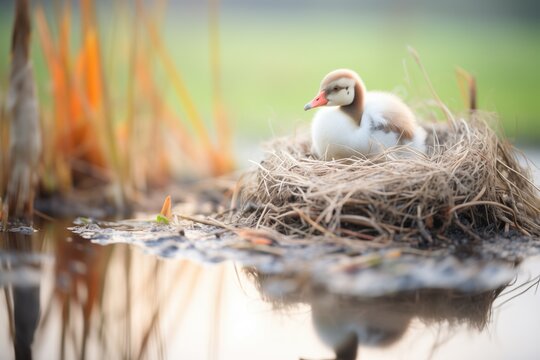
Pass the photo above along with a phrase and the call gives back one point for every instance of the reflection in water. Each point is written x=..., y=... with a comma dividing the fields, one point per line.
x=346, y=322
x=99, y=302
x=116, y=302
x=21, y=297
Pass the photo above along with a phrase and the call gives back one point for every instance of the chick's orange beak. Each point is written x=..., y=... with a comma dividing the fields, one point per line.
x=319, y=100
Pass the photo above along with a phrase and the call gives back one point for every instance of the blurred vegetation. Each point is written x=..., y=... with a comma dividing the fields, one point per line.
x=272, y=63
x=174, y=74
x=105, y=118
x=92, y=301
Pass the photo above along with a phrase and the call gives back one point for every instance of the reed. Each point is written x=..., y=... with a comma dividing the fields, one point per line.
x=107, y=301
x=21, y=157
x=125, y=139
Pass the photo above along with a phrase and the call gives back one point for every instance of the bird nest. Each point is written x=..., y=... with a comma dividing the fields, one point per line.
x=470, y=183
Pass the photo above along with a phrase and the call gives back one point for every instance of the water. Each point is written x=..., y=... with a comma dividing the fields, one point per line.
x=119, y=301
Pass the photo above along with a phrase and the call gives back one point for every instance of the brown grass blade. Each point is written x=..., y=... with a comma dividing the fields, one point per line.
x=61, y=125
x=441, y=104
x=4, y=141
x=132, y=165
x=166, y=208
x=149, y=88
x=467, y=88
x=221, y=124
x=183, y=95
x=98, y=102
x=179, y=85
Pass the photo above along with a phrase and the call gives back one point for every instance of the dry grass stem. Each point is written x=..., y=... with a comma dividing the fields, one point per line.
x=24, y=130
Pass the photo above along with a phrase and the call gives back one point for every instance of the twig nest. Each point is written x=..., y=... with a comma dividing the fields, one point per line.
x=470, y=182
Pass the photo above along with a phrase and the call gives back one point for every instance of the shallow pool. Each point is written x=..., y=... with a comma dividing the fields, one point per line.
x=65, y=297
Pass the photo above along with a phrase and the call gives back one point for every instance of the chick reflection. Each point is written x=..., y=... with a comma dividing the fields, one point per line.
x=370, y=323
x=346, y=323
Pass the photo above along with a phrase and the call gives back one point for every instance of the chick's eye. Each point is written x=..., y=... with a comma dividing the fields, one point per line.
x=336, y=88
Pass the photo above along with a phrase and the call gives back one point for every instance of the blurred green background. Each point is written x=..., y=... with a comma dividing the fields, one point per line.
x=274, y=54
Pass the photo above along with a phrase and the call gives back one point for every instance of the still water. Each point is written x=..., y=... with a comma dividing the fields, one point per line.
x=65, y=297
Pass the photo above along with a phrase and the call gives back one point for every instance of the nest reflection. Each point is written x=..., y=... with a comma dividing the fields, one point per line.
x=346, y=322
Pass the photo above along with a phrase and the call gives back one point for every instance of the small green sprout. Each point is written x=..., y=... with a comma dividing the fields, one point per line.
x=160, y=219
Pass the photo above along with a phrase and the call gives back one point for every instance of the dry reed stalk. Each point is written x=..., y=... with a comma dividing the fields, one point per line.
x=82, y=127
x=219, y=158
x=165, y=126
x=467, y=88
x=87, y=145
x=221, y=124
x=179, y=86
x=4, y=141
x=148, y=122
x=71, y=127
x=56, y=166
x=97, y=96
x=470, y=182
x=22, y=109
